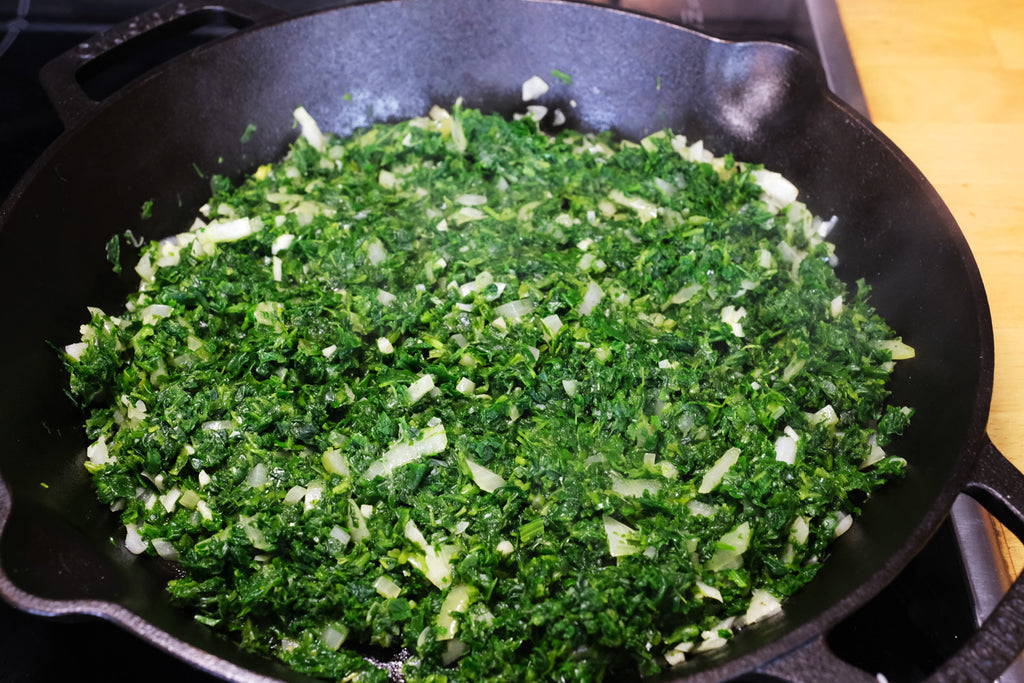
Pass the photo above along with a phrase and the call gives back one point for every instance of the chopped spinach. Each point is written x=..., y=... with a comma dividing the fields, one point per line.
x=529, y=406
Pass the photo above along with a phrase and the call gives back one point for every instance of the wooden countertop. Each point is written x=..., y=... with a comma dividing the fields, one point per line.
x=944, y=79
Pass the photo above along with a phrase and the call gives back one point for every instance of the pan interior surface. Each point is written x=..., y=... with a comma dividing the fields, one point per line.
x=161, y=140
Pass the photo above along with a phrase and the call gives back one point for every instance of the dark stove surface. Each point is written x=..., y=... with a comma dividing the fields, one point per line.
x=904, y=633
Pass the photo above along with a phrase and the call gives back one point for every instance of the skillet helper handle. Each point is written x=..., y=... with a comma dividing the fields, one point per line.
x=59, y=77
x=999, y=487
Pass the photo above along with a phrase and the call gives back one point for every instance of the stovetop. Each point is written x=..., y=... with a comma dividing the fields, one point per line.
x=904, y=633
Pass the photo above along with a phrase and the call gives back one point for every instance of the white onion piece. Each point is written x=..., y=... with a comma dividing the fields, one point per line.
x=375, y=253
x=709, y=591
x=340, y=535
x=257, y=476
x=281, y=243
x=465, y=386
x=785, y=447
x=420, y=388
x=164, y=549
x=432, y=440
x=622, y=539
x=778, y=192
x=634, y=488
x=437, y=566
x=77, y=350
x=295, y=494
x=731, y=546
x=552, y=324
x=591, y=298
x=762, y=604
x=334, y=636
x=386, y=587
x=513, y=310
x=133, y=542
x=713, y=477
x=534, y=87
x=457, y=600
x=309, y=129
x=731, y=316
x=486, y=479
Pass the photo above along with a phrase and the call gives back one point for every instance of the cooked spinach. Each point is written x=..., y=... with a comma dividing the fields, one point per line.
x=529, y=406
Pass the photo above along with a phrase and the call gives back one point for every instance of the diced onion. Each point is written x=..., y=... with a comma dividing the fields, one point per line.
x=645, y=210
x=437, y=567
x=164, y=549
x=340, y=535
x=685, y=294
x=457, y=600
x=98, y=453
x=420, y=388
x=835, y=306
x=471, y=199
x=731, y=316
x=826, y=416
x=713, y=477
x=334, y=636
x=484, y=478
x=314, y=492
x=622, y=539
x=762, y=604
x=334, y=462
x=170, y=499
x=432, y=440
x=513, y=310
x=133, y=542
x=230, y=231
x=897, y=348
x=591, y=298
x=778, y=192
x=536, y=112
x=375, y=253
x=295, y=494
x=731, y=546
x=281, y=242
x=874, y=455
x=310, y=130
x=76, y=350
x=386, y=179
x=843, y=524
x=386, y=587
x=634, y=488
x=534, y=87
x=257, y=476
x=785, y=449
x=800, y=531
x=709, y=591
x=220, y=425
x=552, y=324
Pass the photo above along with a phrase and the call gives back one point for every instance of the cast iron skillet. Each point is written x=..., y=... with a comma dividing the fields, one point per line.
x=162, y=138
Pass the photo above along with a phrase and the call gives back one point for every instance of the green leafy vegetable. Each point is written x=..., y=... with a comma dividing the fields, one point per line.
x=114, y=253
x=562, y=76
x=249, y=131
x=532, y=407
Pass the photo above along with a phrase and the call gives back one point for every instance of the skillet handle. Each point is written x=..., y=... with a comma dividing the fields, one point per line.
x=999, y=487
x=60, y=77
